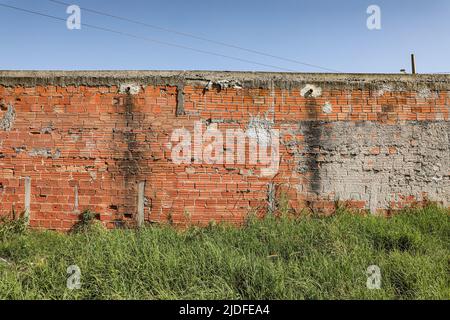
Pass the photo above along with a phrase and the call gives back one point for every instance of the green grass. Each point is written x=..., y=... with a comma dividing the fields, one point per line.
x=273, y=258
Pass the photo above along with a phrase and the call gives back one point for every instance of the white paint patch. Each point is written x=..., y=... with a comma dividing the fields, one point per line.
x=223, y=84
x=259, y=130
x=311, y=91
x=327, y=107
x=246, y=172
x=93, y=175
x=75, y=137
x=130, y=88
x=190, y=170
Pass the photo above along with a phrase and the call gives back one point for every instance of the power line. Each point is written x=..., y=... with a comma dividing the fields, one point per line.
x=149, y=39
x=190, y=35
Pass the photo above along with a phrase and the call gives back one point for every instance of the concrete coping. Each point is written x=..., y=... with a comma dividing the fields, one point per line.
x=281, y=80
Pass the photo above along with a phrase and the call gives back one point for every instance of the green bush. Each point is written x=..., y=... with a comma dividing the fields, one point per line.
x=88, y=223
x=11, y=226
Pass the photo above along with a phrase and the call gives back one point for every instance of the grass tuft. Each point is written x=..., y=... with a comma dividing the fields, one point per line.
x=278, y=257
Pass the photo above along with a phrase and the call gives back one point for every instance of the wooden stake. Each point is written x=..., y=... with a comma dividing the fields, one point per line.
x=27, y=199
x=140, y=206
x=413, y=64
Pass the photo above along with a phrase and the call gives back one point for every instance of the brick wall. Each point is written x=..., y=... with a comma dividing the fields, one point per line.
x=104, y=141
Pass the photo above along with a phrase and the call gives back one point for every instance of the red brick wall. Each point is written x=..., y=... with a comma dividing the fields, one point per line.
x=88, y=144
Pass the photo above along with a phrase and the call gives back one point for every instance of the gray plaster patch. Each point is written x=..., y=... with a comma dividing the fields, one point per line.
x=384, y=88
x=379, y=162
x=48, y=129
x=45, y=152
x=8, y=118
x=426, y=93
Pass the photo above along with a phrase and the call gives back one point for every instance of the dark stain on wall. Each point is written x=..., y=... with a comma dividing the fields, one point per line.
x=131, y=165
x=312, y=136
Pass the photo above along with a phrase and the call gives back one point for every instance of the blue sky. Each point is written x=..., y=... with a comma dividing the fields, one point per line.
x=327, y=33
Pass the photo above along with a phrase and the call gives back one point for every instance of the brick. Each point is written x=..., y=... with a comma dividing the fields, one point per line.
x=104, y=142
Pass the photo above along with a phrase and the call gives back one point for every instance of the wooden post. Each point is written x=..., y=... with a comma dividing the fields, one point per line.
x=75, y=205
x=140, y=206
x=271, y=198
x=27, y=204
x=413, y=64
